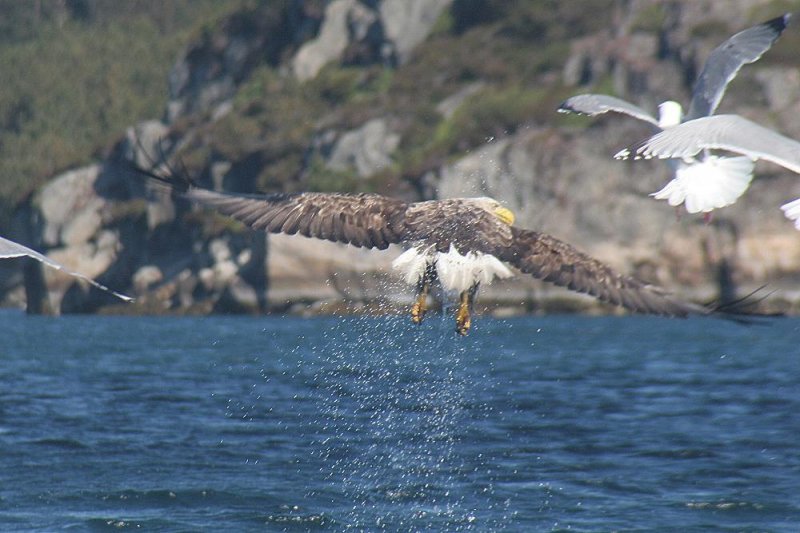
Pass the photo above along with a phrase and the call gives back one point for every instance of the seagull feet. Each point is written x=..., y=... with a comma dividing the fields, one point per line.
x=463, y=319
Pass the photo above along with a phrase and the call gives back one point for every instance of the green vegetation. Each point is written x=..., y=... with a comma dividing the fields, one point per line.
x=86, y=70
x=650, y=19
x=321, y=178
x=515, y=51
x=75, y=79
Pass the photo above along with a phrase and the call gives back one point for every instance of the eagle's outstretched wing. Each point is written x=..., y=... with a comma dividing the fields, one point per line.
x=550, y=259
x=363, y=220
x=9, y=249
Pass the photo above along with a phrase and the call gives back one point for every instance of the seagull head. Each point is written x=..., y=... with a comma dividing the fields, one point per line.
x=670, y=113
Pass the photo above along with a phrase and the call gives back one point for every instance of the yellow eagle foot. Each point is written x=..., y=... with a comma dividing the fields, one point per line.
x=418, y=309
x=463, y=319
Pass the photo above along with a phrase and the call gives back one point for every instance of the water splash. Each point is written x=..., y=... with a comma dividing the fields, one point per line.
x=393, y=407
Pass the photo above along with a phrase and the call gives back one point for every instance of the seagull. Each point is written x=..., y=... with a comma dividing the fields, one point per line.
x=731, y=133
x=9, y=249
x=458, y=243
x=707, y=182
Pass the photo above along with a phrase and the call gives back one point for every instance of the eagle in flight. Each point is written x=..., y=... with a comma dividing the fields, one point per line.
x=460, y=243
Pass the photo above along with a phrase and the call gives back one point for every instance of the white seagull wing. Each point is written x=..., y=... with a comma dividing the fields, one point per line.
x=727, y=59
x=9, y=249
x=597, y=104
x=719, y=132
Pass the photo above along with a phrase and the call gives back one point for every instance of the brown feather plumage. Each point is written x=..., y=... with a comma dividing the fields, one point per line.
x=364, y=220
x=375, y=221
x=550, y=259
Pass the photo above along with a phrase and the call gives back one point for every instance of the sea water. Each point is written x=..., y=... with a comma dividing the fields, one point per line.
x=561, y=423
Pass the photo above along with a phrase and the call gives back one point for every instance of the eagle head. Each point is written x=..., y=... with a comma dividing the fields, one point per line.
x=495, y=208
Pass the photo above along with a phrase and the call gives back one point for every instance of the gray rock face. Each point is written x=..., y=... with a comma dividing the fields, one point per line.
x=391, y=30
x=566, y=184
x=345, y=21
x=407, y=23
x=144, y=144
x=74, y=217
x=70, y=207
x=555, y=177
x=782, y=92
x=303, y=269
x=208, y=73
x=365, y=150
x=539, y=174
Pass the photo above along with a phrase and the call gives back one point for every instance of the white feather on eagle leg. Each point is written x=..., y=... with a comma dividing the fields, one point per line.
x=412, y=263
x=455, y=271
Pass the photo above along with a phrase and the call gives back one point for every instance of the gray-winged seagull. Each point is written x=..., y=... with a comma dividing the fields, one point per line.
x=9, y=249
x=707, y=182
x=724, y=132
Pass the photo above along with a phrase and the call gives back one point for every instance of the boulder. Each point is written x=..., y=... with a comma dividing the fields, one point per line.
x=388, y=33
x=345, y=21
x=406, y=23
x=146, y=277
x=70, y=207
x=303, y=269
x=90, y=258
x=366, y=150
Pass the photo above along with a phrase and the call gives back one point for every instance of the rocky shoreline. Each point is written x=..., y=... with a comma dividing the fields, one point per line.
x=556, y=174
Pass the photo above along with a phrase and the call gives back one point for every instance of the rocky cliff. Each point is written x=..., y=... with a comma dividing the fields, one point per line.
x=422, y=99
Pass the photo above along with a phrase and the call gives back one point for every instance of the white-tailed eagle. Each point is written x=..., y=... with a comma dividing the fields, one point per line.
x=461, y=243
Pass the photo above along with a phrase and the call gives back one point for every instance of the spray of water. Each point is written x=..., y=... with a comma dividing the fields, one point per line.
x=391, y=437
x=395, y=402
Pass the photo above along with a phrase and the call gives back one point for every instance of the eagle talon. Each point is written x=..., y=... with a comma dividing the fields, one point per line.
x=463, y=318
x=418, y=309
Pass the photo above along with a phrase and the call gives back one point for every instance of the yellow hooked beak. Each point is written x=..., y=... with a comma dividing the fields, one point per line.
x=504, y=214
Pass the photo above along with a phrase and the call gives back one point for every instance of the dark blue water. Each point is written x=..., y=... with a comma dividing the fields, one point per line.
x=370, y=424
